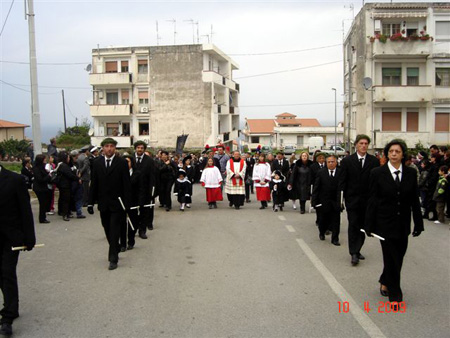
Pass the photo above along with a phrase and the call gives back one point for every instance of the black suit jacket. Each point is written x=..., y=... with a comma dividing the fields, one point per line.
x=354, y=180
x=315, y=167
x=17, y=225
x=41, y=179
x=150, y=173
x=107, y=185
x=326, y=190
x=389, y=208
x=284, y=167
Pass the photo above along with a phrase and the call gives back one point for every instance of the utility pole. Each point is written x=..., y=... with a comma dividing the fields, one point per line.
x=64, y=111
x=335, y=120
x=35, y=114
x=350, y=92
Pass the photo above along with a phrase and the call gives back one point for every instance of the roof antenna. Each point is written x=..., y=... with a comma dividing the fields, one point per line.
x=158, y=38
x=174, y=30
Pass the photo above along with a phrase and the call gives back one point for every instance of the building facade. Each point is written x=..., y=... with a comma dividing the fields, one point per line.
x=154, y=94
x=404, y=48
x=287, y=130
x=12, y=130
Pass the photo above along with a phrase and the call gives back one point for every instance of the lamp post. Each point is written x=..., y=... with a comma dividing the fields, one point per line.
x=335, y=120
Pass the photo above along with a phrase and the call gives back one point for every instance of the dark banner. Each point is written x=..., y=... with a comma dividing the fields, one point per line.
x=181, y=141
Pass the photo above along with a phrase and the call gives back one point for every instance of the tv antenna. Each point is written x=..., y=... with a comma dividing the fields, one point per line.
x=352, y=8
x=158, y=38
x=191, y=22
x=174, y=30
x=212, y=33
x=206, y=35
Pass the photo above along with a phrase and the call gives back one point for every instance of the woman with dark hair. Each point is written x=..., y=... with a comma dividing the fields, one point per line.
x=167, y=171
x=423, y=183
x=66, y=177
x=300, y=180
x=42, y=187
x=27, y=172
x=393, y=198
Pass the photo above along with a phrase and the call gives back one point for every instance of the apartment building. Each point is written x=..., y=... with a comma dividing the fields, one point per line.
x=288, y=130
x=155, y=93
x=402, y=53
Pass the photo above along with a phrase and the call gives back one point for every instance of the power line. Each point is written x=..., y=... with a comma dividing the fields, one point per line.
x=25, y=90
x=46, y=63
x=58, y=87
x=290, y=104
x=7, y=16
x=288, y=70
x=287, y=51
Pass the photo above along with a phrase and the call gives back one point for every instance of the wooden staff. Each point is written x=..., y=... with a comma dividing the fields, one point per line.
x=128, y=218
x=17, y=248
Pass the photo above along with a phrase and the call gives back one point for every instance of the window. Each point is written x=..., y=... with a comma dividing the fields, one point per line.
x=125, y=97
x=412, y=76
x=443, y=77
x=391, y=28
x=143, y=128
x=143, y=97
x=125, y=129
x=392, y=76
x=112, y=129
x=300, y=141
x=124, y=66
x=391, y=121
x=112, y=98
x=442, y=30
x=142, y=67
x=412, y=121
x=111, y=67
x=442, y=122
x=255, y=139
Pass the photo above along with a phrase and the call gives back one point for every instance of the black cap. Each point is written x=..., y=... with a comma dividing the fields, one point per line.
x=108, y=140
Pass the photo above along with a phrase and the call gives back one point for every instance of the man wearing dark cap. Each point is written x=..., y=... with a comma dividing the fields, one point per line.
x=146, y=165
x=110, y=180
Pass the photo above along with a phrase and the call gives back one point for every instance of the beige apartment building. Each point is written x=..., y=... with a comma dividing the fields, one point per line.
x=404, y=48
x=156, y=93
x=12, y=130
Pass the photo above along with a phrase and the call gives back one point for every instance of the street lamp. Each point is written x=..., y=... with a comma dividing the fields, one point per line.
x=335, y=120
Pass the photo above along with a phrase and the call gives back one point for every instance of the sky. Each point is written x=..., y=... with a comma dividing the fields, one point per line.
x=299, y=41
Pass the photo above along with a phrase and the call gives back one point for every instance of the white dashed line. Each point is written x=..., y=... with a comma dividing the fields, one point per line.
x=290, y=228
x=362, y=318
x=281, y=218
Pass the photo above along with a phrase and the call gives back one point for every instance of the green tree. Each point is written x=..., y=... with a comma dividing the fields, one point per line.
x=14, y=148
x=74, y=137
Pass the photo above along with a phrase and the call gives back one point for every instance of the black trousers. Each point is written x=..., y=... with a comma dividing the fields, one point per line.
x=145, y=219
x=44, y=198
x=85, y=192
x=393, y=252
x=356, y=237
x=329, y=220
x=8, y=283
x=236, y=200
x=112, y=223
x=247, y=190
x=165, y=196
x=64, y=201
x=133, y=214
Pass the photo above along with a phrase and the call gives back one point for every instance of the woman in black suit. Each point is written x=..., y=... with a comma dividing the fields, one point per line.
x=393, y=198
x=66, y=177
x=41, y=186
x=300, y=180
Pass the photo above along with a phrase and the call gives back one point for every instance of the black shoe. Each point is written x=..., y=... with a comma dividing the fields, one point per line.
x=302, y=212
x=328, y=232
x=167, y=209
x=143, y=235
x=81, y=216
x=210, y=206
x=433, y=219
x=66, y=218
x=70, y=216
x=230, y=204
x=355, y=260
x=215, y=206
x=150, y=228
x=112, y=266
x=130, y=247
x=6, y=330
x=45, y=221
x=236, y=207
x=281, y=208
x=262, y=207
x=384, y=293
x=123, y=249
x=336, y=243
x=322, y=237
x=361, y=257
x=247, y=201
x=425, y=216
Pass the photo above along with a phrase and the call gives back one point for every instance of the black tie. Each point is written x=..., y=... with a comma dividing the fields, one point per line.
x=139, y=160
x=397, y=178
x=108, y=163
x=331, y=173
x=281, y=163
x=361, y=162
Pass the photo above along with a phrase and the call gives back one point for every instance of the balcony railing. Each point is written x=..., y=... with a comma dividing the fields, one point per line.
x=122, y=141
x=400, y=49
x=411, y=138
x=402, y=93
x=104, y=79
x=111, y=110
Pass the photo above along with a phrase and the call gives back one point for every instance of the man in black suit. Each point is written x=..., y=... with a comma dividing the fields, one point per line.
x=325, y=199
x=146, y=165
x=16, y=229
x=354, y=182
x=110, y=180
x=317, y=165
x=281, y=164
x=248, y=176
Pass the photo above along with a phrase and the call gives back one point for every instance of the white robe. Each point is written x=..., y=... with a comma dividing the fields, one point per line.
x=212, y=177
x=237, y=189
x=262, y=172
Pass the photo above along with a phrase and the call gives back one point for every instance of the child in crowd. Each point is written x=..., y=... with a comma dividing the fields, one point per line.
x=183, y=189
x=440, y=194
x=261, y=178
x=212, y=180
x=278, y=188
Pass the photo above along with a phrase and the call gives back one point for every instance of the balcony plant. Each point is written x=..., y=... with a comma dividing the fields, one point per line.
x=414, y=37
x=396, y=37
x=424, y=36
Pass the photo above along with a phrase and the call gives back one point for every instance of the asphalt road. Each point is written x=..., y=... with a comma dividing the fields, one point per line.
x=226, y=273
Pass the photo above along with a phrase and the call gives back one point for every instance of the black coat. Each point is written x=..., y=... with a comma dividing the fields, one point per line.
x=41, y=179
x=66, y=176
x=280, y=195
x=27, y=176
x=283, y=168
x=389, y=209
x=300, y=180
x=354, y=180
x=150, y=177
x=138, y=191
x=315, y=167
x=326, y=190
x=17, y=225
x=249, y=169
x=107, y=185
x=167, y=172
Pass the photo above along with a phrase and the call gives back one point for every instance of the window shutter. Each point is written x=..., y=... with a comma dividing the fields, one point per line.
x=111, y=66
x=442, y=122
x=392, y=121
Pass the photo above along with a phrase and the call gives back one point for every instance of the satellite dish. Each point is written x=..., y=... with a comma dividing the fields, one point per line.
x=367, y=83
x=91, y=132
x=88, y=68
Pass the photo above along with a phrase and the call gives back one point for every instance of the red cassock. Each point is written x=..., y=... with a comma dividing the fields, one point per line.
x=213, y=195
x=263, y=193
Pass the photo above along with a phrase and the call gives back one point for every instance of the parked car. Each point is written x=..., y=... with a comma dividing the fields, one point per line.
x=339, y=150
x=289, y=149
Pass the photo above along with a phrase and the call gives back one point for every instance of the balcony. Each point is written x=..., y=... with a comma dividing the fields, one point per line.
x=411, y=138
x=402, y=49
x=106, y=79
x=111, y=110
x=402, y=93
x=221, y=109
x=210, y=76
x=122, y=141
x=234, y=110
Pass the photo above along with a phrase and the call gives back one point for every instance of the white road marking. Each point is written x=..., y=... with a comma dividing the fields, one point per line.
x=361, y=317
x=290, y=228
x=281, y=218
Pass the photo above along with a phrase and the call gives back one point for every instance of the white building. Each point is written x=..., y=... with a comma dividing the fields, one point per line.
x=156, y=93
x=287, y=130
x=405, y=49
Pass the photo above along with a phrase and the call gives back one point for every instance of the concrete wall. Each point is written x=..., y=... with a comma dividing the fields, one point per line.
x=11, y=133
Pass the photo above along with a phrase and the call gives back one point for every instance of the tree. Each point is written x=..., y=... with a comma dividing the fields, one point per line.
x=14, y=148
x=75, y=137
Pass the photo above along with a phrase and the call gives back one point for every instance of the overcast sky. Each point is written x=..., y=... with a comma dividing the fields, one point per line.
x=67, y=31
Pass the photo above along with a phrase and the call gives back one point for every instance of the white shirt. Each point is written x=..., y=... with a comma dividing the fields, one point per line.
x=330, y=171
x=139, y=157
x=110, y=162
x=361, y=157
x=393, y=170
x=212, y=177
